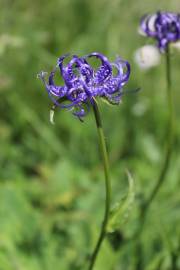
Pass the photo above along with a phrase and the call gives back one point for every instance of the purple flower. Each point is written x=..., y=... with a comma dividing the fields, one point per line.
x=83, y=83
x=163, y=26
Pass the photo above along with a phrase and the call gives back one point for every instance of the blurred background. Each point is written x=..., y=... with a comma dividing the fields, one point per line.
x=51, y=178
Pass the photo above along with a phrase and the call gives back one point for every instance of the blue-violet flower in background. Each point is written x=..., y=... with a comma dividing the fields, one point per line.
x=83, y=83
x=163, y=26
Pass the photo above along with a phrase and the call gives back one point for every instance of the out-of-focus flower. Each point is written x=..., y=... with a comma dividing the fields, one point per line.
x=163, y=26
x=140, y=107
x=147, y=57
x=83, y=83
x=176, y=45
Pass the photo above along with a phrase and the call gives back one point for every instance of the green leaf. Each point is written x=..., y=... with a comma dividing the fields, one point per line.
x=51, y=116
x=109, y=102
x=121, y=211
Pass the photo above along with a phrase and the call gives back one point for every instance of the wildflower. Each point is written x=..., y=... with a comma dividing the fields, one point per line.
x=83, y=83
x=147, y=57
x=163, y=26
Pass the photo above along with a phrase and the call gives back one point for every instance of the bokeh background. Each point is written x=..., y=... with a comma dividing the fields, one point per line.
x=51, y=178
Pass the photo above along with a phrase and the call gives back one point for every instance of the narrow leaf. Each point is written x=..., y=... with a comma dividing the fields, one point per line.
x=121, y=211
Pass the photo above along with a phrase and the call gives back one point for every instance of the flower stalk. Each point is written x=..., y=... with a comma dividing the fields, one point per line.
x=103, y=150
x=170, y=135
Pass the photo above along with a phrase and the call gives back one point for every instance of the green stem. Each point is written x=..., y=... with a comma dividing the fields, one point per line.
x=167, y=157
x=170, y=132
x=103, y=150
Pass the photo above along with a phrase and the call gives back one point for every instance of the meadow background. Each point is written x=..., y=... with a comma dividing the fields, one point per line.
x=51, y=178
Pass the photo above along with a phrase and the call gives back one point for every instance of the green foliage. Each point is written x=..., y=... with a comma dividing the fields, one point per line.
x=51, y=178
x=120, y=212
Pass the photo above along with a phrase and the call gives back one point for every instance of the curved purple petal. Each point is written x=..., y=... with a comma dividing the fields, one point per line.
x=124, y=69
x=148, y=25
x=58, y=91
x=104, y=71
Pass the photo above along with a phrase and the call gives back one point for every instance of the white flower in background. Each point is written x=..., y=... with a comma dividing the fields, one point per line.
x=147, y=57
x=176, y=45
x=140, y=108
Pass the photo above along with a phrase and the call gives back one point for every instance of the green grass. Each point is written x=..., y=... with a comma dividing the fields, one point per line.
x=51, y=178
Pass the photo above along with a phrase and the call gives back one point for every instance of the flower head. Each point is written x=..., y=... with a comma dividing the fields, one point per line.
x=83, y=83
x=163, y=26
